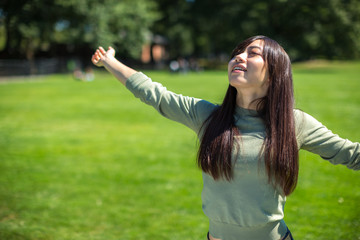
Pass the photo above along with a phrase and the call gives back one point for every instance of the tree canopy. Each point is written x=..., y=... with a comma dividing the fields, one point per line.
x=34, y=26
x=307, y=29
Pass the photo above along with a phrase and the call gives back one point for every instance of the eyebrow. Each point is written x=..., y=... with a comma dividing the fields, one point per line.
x=258, y=47
x=237, y=52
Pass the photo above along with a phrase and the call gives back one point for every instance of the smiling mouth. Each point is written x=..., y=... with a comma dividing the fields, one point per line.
x=239, y=69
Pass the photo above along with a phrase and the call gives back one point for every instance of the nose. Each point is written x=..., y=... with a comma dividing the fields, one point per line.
x=241, y=57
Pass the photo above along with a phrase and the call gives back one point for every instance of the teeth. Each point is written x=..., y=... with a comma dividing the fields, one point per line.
x=239, y=68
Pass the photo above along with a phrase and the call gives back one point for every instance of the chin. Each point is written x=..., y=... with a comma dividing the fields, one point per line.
x=237, y=82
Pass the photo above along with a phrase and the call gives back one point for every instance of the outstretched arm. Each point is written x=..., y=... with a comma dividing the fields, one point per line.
x=189, y=111
x=102, y=58
x=316, y=138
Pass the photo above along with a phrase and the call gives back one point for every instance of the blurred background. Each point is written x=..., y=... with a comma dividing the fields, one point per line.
x=47, y=36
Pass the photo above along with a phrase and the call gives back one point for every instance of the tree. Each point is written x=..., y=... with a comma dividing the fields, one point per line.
x=326, y=28
x=33, y=26
x=306, y=28
x=175, y=24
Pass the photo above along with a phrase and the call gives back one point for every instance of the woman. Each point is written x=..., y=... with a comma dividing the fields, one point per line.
x=249, y=144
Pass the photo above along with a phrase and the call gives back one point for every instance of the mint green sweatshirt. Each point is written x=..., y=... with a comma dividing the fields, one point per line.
x=248, y=207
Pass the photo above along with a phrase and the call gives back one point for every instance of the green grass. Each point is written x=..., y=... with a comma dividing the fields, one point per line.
x=89, y=161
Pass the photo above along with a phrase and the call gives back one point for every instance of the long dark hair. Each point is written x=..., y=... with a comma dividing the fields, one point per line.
x=280, y=149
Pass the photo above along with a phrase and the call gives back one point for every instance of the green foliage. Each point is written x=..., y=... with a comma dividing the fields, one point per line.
x=176, y=23
x=320, y=28
x=307, y=28
x=124, y=24
x=86, y=160
x=41, y=24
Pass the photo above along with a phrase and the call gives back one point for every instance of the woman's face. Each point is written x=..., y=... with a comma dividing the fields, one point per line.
x=248, y=70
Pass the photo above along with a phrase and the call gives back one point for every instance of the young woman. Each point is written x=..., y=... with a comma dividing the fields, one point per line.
x=249, y=144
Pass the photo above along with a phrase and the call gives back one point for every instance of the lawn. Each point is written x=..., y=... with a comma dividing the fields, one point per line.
x=86, y=160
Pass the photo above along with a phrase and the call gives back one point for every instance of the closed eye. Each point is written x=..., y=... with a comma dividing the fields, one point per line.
x=254, y=53
x=254, y=50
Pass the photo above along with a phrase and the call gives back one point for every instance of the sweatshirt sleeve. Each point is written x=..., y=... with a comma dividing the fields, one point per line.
x=316, y=138
x=191, y=112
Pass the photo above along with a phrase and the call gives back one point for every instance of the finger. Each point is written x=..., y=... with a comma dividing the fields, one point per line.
x=93, y=59
x=98, y=55
x=102, y=51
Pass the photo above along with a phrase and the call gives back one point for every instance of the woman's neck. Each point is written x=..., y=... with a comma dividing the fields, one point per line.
x=247, y=99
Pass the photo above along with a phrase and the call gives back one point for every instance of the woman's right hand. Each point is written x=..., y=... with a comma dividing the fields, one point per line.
x=101, y=56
